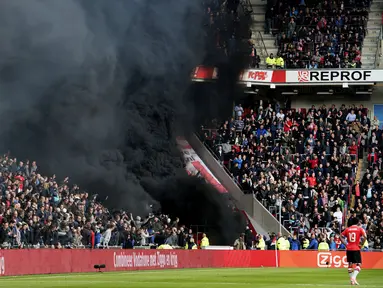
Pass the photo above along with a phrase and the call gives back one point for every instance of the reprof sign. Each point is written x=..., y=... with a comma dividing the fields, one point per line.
x=282, y=77
x=339, y=76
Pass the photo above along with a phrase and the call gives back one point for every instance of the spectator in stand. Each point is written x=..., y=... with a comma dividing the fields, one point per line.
x=204, y=241
x=238, y=111
x=105, y=239
x=313, y=243
x=291, y=26
x=328, y=35
x=41, y=212
x=239, y=244
x=375, y=123
x=368, y=194
x=268, y=19
x=259, y=243
x=279, y=62
x=339, y=215
x=270, y=61
x=332, y=244
x=254, y=58
x=351, y=117
x=306, y=161
x=228, y=30
x=323, y=244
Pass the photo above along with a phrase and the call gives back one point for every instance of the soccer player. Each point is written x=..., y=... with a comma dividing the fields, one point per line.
x=353, y=234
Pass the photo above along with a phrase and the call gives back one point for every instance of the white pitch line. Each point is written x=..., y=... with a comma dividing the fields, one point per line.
x=201, y=283
x=70, y=275
x=112, y=273
x=333, y=285
x=168, y=282
x=74, y=281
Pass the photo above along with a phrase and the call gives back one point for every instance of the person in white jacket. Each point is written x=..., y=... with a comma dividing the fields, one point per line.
x=106, y=237
x=339, y=216
x=144, y=236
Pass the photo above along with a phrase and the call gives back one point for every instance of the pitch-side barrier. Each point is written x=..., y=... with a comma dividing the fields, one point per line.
x=46, y=261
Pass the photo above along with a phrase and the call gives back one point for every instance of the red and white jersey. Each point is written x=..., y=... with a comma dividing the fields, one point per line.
x=353, y=235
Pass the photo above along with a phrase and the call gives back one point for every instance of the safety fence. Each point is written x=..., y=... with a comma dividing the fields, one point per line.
x=24, y=262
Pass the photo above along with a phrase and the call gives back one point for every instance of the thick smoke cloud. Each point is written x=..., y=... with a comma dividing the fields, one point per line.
x=95, y=90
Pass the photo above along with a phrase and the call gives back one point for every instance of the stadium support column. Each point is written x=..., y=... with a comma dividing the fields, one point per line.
x=280, y=231
x=276, y=256
x=280, y=215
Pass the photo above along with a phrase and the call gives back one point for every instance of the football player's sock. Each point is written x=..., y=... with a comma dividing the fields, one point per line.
x=356, y=272
x=350, y=272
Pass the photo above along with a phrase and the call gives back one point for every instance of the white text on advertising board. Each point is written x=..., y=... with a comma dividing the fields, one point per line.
x=257, y=75
x=136, y=260
x=2, y=265
x=335, y=76
x=326, y=259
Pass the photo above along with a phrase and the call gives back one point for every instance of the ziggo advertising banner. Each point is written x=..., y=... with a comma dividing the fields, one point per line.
x=314, y=259
x=45, y=261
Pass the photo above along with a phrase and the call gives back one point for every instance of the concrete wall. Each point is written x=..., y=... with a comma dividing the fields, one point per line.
x=338, y=100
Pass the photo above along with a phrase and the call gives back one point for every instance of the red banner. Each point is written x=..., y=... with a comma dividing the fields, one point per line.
x=45, y=261
x=314, y=259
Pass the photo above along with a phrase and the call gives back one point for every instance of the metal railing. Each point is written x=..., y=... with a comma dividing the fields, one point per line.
x=261, y=44
x=378, y=49
x=284, y=28
x=305, y=64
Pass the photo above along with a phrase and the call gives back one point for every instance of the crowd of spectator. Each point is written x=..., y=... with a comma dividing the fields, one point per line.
x=324, y=34
x=229, y=31
x=42, y=212
x=37, y=211
x=367, y=195
x=303, y=161
x=316, y=239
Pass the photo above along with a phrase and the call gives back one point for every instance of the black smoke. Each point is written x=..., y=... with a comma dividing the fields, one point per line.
x=98, y=90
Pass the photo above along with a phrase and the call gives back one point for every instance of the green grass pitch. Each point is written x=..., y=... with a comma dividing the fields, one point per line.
x=201, y=278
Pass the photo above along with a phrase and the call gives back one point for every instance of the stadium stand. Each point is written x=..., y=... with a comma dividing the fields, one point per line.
x=41, y=212
x=367, y=194
x=324, y=34
x=229, y=30
x=304, y=161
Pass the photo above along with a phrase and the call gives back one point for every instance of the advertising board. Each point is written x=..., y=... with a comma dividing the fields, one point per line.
x=49, y=261
x=333, y=259
x=298, y=77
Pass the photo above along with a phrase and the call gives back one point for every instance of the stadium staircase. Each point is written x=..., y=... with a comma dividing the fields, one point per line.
x=371, y=44
x=362, y=165
x=259, y=218
x=264, y=43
